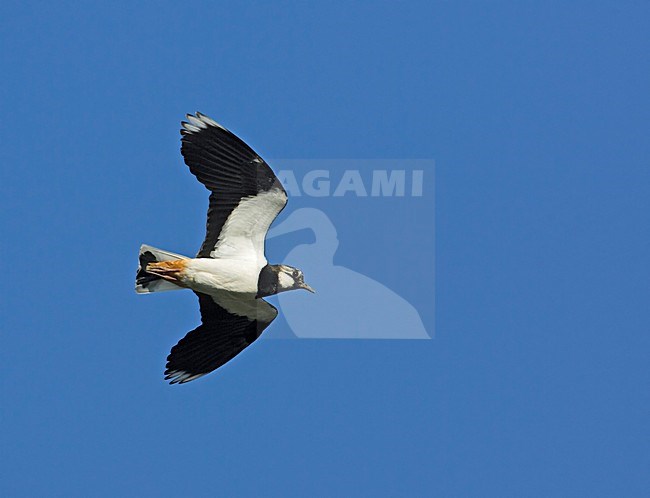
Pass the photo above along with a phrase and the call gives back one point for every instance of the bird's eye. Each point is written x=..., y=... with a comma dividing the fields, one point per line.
x=296, y=273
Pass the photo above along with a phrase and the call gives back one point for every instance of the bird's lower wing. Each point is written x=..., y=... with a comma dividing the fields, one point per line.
x=221, y=336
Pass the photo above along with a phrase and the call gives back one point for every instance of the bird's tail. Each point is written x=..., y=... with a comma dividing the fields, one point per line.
x=146, y=282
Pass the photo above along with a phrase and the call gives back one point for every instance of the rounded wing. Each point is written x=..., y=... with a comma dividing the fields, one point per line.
x=246, y=196
x=221, y=336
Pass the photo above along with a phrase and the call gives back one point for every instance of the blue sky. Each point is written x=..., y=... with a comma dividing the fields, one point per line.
x=535, y=246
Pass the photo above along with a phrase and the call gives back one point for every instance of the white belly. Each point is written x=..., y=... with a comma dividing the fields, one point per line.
x=208, y=275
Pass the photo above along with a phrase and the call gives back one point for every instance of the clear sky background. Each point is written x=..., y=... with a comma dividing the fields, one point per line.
x=536, y=114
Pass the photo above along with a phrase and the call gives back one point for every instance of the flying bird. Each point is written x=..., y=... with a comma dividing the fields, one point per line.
x=230, y=274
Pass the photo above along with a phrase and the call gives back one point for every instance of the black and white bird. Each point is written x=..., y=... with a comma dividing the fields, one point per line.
x=230, y=274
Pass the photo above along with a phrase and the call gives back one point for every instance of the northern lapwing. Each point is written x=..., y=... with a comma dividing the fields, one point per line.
x=230, y=274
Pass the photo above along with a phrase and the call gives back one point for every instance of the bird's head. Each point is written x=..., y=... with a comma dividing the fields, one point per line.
x=290, y=278
x=280, y=278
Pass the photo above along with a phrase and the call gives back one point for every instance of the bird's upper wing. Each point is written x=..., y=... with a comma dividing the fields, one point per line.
x=221, y=336
x=246, y=195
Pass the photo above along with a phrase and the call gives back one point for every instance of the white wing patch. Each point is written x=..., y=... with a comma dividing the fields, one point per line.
x=239, y=304
x=243, y=233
